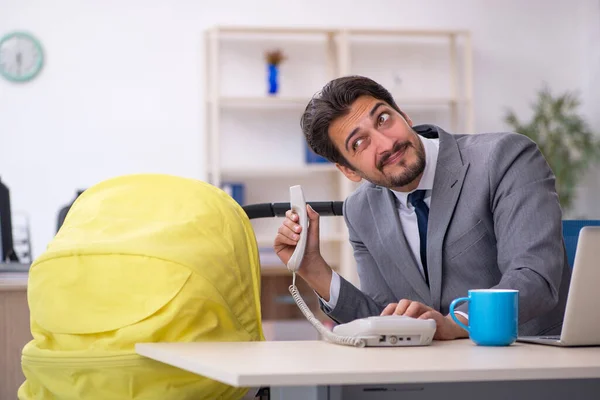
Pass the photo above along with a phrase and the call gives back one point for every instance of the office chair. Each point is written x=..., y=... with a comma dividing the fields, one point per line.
x=571, y=230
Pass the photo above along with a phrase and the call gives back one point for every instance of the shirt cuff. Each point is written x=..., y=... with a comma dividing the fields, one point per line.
x=463, y=314
x=334, y=291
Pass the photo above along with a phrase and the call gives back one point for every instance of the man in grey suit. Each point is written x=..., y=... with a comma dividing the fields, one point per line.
x=438, y=214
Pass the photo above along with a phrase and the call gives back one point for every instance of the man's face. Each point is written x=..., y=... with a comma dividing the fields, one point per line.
x=379, y=144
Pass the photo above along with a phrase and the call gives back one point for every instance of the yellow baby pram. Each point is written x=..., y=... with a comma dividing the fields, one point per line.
x=140, y=258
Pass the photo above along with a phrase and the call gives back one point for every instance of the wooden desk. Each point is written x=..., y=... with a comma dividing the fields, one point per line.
x=457, y=367
x=14, y=331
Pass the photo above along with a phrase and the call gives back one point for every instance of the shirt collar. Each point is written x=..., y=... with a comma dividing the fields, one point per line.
x=431, y=148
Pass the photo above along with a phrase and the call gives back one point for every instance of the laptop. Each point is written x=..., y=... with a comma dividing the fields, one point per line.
x=581, y=324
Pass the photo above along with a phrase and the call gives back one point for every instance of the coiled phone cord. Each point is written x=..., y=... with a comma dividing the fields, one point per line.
x=327, y=334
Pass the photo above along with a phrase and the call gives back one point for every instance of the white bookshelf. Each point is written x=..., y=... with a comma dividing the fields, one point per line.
x=255, y=139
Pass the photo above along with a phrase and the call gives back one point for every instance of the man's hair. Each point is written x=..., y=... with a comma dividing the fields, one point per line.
x=334, y=101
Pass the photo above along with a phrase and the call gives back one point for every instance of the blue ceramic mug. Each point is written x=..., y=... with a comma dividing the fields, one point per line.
x=493, y=316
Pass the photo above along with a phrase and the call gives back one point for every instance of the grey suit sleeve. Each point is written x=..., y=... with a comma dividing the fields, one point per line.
x=353, y=303
x=528, y=225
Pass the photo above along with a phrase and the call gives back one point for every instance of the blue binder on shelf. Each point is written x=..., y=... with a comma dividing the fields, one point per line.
x=235, y=190
x=310, y=157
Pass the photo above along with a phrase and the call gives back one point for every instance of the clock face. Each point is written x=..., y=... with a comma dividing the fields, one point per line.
x=21, y=57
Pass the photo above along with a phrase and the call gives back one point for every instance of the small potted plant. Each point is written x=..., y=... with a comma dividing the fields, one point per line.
x=274, y=59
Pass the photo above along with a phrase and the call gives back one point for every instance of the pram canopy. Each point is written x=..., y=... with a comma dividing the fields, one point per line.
x=140, y=258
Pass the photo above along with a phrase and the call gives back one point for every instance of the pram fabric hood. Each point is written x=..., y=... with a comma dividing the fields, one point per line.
x=140, y=258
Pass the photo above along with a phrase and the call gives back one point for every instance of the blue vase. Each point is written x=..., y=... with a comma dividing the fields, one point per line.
x=273, y=75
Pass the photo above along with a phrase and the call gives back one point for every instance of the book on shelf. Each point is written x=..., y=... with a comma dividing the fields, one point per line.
x=236, y=190
x=310, y=157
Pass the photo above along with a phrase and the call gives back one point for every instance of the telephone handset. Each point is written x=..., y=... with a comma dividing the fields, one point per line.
x=378, y=331
x=298, y=205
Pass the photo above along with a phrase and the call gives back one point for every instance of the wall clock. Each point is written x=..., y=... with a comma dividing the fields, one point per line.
x=21, y=57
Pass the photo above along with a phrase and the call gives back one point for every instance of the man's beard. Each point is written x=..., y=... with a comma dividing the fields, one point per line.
x=410, y=173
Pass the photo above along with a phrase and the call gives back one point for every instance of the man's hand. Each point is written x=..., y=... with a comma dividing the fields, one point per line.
x=314, y=270
x=446, y=329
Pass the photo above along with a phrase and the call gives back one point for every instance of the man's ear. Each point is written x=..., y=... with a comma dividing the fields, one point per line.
x=349, y=172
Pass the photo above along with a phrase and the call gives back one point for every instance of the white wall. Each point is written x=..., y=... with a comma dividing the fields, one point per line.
x=121, y=91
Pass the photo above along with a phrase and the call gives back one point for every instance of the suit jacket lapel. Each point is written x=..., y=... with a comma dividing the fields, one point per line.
x=449, y=177
x=393, y=241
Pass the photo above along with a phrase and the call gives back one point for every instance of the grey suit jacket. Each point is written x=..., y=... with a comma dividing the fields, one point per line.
x=494, y=222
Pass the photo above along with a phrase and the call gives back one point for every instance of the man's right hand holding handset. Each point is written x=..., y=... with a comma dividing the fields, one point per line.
x=314, y=270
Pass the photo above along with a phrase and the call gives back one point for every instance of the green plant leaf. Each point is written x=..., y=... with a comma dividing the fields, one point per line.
x=563, y=136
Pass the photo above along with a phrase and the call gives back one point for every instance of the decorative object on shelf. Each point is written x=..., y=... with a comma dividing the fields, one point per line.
x=310, y=157
x=274, y=59
x=564, y=138
x=21, y=57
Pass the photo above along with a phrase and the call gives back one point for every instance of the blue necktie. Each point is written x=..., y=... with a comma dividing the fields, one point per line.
x=416, y=199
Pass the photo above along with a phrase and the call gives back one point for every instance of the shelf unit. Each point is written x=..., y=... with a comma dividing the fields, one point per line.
x=254, y=138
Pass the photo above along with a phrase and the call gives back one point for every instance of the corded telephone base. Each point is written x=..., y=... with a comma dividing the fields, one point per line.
x=390, y=331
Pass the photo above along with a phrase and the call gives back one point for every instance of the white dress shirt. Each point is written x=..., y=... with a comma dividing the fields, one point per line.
x=408, y=217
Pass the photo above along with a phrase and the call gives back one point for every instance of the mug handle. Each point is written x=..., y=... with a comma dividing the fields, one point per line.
x=452, y=305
